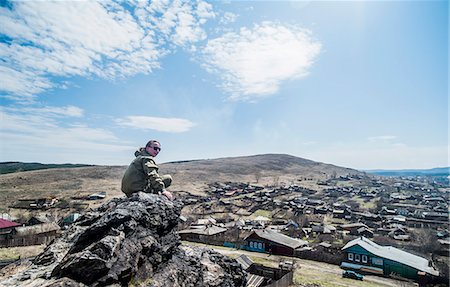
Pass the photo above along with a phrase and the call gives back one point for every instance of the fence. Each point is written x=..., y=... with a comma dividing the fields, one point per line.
x=284, y=281
x=27, y=240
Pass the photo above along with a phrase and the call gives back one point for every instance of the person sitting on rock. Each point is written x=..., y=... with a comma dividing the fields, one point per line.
x=142, y=173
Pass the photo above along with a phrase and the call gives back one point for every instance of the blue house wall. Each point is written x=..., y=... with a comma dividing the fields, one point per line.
x=255, y=245
x=389, y=266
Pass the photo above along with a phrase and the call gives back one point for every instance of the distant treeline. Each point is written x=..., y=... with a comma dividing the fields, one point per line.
x=440, y=171
x=10, y=167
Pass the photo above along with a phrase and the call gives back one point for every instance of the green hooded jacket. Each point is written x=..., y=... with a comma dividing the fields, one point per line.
x=142, y=175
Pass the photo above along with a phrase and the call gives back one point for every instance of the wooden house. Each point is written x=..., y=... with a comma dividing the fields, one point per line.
x=273, y=242
x=366, y=256
x=208, y=234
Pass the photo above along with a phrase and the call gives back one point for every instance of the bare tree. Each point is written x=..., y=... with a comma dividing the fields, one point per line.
x=276, y=180
x=427, y=239
x=257, y=176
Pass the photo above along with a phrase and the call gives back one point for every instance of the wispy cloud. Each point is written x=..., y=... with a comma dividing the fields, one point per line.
x=255, y=61
x=48, y=111
x=48, y=134
x=170, y=125
x=47, y=39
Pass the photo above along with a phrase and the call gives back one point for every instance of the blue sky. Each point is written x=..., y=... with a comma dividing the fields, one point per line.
x=357, y=84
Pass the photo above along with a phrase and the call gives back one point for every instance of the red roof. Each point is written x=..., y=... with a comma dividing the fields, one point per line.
x=6, y=223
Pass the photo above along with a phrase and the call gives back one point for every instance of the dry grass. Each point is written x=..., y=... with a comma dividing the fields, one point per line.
x=261, y=212
x=20, y=252
x=364, y=203
x=189, y=176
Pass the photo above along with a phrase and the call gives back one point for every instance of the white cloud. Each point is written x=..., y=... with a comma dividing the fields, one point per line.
x=171, y=125
x=29, y=119
x=254, y=62
x=228, y=17
x=21, y=83
x=85, y=38
x=66, y=111
x=44, y=134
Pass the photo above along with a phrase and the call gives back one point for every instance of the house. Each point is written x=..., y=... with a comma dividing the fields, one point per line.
x=443, y=234
x=342, y=213
x=6, y=228
x=38, y=219
x=273, y=242
x=367, y=216
x=386, y=211
x=323, y=229
x=366, y=256
x=71, y=218
x=444, y=246
x=399, y=233
x=363, y=231
x=7, y=224
x=314, y=202
x=37, y=234
x=351, y=226
x=30, y=235
x=439, y=216
x=261, y=220
x=208, y=234
x=202, y=222
x=320, y=210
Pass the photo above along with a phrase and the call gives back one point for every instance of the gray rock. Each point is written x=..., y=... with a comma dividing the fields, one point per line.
x=128, y=241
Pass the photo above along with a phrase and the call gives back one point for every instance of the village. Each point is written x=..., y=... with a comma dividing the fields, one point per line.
x=362, y=224
x=389, y=227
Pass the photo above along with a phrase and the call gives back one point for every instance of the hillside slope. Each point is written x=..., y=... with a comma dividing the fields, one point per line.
x=13, y=166
x=189, y=176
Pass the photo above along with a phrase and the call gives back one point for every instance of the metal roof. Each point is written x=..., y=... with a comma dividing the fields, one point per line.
x=393, y=254
x=7, y=223
x=210, y=230
x=280, y=238
x=244, y=261
x=351, y=225
x=254, y=280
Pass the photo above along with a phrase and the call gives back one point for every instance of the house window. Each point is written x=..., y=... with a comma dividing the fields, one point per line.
x=364, y=259
x=357, y=257
x=260, y=246
x=377, y=261
x=350, y=256
x=251, y=244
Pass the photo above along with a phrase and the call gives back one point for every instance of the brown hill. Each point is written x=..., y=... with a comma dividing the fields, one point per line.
x=189, y=176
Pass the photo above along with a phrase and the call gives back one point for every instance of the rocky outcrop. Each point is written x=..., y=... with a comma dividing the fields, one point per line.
x=127, y=241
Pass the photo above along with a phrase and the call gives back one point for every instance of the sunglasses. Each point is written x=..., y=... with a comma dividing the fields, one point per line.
x=155, y=148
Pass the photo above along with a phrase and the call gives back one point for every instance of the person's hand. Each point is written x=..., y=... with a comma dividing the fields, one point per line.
x=167, y=194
